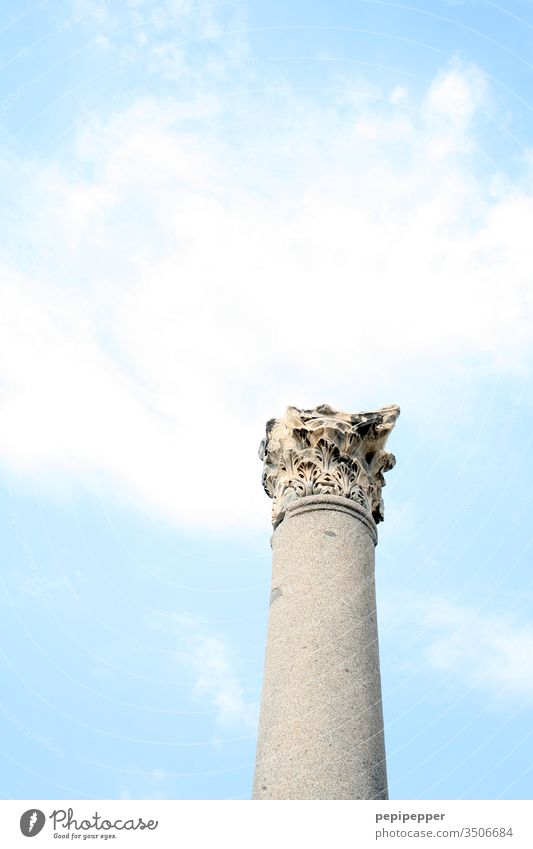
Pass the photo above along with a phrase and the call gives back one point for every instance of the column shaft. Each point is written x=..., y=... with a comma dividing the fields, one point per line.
x=321, y=723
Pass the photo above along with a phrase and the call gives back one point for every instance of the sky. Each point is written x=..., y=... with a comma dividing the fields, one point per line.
x=211, y=211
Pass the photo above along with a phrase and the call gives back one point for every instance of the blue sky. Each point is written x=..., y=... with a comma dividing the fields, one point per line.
x=211, y=211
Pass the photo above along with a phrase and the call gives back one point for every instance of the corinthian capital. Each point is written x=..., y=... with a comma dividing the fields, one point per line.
x=327, y=452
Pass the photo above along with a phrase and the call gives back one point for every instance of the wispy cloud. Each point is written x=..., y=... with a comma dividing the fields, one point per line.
x=217, y=683
x=168, y=291
x=166, y=37
x=209, y=658
x=461, y=646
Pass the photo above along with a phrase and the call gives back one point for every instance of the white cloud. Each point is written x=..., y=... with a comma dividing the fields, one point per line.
x=210, y=659
x=174, y=290
x=217, y=683
x=462, y=645
x=455, y=95
x=165, y=36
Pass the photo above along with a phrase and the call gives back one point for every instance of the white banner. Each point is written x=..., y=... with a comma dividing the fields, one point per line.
x=272, y=825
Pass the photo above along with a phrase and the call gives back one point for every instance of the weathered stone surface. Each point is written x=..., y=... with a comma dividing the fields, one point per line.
x=321, y=723
x=327, y=452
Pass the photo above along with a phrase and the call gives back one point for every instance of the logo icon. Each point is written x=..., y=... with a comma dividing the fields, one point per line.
x=32, y=822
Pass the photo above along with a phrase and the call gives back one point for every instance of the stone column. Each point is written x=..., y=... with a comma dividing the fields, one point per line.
x=321, y=721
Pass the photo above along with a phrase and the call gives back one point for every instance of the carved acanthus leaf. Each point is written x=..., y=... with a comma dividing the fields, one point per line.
x=325, y=451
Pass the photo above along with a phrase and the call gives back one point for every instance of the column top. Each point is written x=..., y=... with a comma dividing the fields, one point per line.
x=327, y=452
